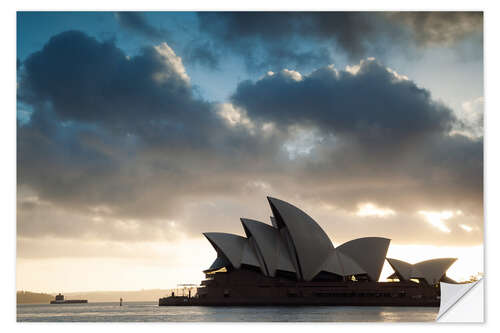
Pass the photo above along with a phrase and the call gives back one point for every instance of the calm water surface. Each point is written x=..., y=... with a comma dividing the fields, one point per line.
x=151, y=312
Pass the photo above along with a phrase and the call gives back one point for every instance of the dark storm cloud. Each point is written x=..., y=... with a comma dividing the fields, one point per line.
x=121, y=148
x=371, y=106
x=94, y=82
x=271, y=39
x=137, y=23
x=263, y=38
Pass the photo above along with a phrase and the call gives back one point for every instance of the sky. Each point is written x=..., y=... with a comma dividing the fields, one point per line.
x=138, y=131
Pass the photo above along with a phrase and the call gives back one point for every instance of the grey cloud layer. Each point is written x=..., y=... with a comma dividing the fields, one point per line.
x=119, y=147
x=137, y=23
x=271, y=39
x=441, y=27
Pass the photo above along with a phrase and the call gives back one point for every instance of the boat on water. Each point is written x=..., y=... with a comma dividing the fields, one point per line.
x=293, y=262
x=60, y=300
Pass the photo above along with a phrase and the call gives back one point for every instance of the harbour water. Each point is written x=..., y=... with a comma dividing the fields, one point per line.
x=151, y=312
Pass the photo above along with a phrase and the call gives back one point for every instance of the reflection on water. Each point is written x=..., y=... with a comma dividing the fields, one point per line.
x=151, y=312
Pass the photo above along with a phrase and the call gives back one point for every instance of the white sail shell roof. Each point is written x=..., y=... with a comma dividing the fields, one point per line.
x=218, y=263
x=311, y=244
x=430, y=270
x=433, y=270
x=368, y=252
x=349, y=265
x=233, y=247
x=402, y=268
x=284, y=260
x=270, y=246
x=332, y=264
x=249, y=257
x=266, y=239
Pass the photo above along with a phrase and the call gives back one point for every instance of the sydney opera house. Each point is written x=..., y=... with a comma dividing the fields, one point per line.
x=292, y=261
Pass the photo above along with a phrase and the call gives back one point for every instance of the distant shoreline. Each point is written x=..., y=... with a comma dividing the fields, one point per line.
x=28, y=297
x=95, y=302
x=147, y=295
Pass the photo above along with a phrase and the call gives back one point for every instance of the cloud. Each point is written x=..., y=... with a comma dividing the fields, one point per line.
x=97, y=111
x=124, y=133
x=441, y=28
x=137, y=23
x=436, y=219
x=375, y=129
x=263, y=38
x=95, y=83
x=368, y=209
x=304, y=39
x=120, y=148
x=471, y=118
x=466, y=227
x=370, y=105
